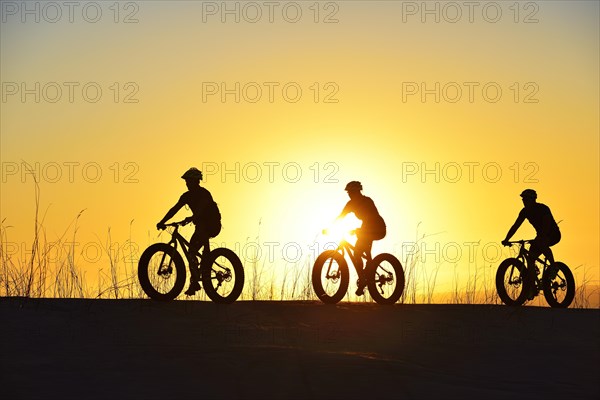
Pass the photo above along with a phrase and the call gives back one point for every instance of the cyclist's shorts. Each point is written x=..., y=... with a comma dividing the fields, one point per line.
x=204, y=232
x=213, y=229
x=373, y=232
x=543, y=242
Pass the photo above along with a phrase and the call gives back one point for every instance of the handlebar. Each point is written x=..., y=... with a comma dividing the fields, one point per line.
x=179, y=223
x=521, y=242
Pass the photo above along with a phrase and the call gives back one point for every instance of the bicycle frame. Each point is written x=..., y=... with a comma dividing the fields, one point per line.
x=552, y=278
x=345, y=247
x=177, y=238
x=524, y=257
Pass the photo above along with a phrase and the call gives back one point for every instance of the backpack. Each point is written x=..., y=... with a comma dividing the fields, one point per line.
x=213, y=219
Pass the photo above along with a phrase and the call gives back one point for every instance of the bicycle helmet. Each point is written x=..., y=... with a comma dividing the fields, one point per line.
x=192, y=173
x=354, y=185
x=529, y=194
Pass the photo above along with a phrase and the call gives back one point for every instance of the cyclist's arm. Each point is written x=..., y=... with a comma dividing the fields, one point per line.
x=171, y=213
x=347, y=209
x=513, y=229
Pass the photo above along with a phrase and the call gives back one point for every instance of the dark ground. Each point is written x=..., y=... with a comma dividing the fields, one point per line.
x=127, y=349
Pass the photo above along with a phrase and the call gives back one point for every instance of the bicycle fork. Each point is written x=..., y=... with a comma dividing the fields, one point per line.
x=328, y=274
x=162, y=270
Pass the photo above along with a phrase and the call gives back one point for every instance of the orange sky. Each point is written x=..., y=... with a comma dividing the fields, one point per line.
x=444, y=121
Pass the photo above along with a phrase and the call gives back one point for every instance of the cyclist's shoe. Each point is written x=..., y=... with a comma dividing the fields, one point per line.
x=194, y=287
x=532, y=293
x=361, y=288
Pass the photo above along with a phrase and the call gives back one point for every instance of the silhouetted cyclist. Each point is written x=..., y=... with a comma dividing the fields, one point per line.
x=201, y=203
x=372, y=228
x=546, y=228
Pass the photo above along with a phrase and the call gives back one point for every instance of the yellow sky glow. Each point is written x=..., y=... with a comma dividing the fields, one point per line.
x=447, y=163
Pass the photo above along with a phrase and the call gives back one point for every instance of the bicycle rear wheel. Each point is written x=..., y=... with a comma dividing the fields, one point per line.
x=511, y=282
x=559, y=290
x=330, y=277
x=222, y=275
x=385, y=278
x=161, y=272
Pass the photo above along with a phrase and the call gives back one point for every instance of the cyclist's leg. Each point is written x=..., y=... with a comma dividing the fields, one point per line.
x=538, y=247
x=362, y=247
x=542, y=246
x=551, y=242
x=365, y=238
x=364, y=243
x=195, y=245
x=198, y=240
x=548, y=253
x=205, y=247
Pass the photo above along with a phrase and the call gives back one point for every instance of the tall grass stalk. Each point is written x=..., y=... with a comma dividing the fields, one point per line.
x=53, y=269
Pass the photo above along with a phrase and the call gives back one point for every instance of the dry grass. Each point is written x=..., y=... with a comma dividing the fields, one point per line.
x=41, y=276
x=61, y=276
x=54, y=269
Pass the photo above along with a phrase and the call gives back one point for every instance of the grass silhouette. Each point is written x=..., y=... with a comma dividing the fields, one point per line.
x=61, y=276
x=53, y=269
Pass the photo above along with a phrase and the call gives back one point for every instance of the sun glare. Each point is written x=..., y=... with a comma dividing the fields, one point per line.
x=342, y=229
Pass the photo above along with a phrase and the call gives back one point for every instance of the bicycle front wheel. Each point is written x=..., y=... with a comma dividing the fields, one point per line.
x=511, y=282
x=222, y=275
x=330, y=277
x=161, y=272
x=559, y=286
x=385, y=279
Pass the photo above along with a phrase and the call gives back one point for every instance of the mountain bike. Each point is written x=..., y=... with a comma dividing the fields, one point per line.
x=383, y=275
x=556, y=280
x=162, y=271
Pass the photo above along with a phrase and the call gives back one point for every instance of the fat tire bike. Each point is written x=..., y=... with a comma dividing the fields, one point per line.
x=514, y=287
x=162, y=270
x=383, y=275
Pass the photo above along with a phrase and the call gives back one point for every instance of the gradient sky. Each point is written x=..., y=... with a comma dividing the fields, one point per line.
x=376, y=131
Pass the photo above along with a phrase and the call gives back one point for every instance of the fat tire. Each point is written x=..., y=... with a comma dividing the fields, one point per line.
x=145, y=279
x=207, y=281
x=547, y=287
x=320, y=262
x=372, y=285
x=501, y=289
